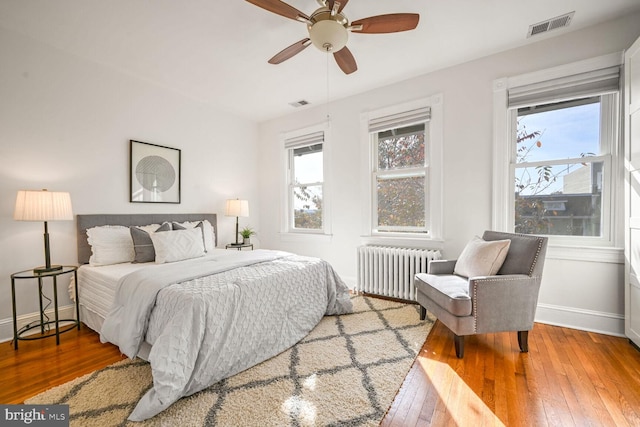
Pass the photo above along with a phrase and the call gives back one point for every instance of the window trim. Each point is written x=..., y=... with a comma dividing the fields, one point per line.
x=287, y=231
x=504, y=154
x=434, y=199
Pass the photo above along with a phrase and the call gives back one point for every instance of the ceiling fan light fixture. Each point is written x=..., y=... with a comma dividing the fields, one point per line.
x=329, y=29
x=328, y=35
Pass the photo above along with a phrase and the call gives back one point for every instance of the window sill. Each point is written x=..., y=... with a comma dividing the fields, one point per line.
x=306, y=237
x=411, y=241
x=586, y=253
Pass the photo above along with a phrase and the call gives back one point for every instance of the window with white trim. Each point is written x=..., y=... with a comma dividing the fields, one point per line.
x=562, y=143
x=305, y=182
x=404, y=186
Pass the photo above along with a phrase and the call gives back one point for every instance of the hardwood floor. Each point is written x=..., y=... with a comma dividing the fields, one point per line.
x=39, y=365
x=568, y=378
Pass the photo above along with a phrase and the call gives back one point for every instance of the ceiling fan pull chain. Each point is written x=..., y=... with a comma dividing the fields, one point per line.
x=327, y=101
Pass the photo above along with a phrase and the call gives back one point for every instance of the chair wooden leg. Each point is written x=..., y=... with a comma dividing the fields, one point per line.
x=423, y=313
x=523, y=341
x=459, y=342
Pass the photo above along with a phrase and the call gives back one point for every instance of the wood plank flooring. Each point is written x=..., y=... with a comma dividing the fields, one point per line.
x=568, y=378
x=39, y=365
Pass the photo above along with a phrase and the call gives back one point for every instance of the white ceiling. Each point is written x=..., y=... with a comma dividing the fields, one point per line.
x=216, y=51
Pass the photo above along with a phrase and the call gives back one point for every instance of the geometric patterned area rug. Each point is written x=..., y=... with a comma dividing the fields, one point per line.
x=346, y=372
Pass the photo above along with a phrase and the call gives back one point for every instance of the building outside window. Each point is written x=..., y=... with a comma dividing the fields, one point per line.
x=561, y=159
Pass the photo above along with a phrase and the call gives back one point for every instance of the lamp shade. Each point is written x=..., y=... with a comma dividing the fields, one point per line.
x=42, y=205
x=236, y=207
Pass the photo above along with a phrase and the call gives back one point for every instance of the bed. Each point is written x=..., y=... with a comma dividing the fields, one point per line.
x=196, y=318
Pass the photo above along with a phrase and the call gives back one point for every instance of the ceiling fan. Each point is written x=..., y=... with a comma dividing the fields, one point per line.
x=329, y=29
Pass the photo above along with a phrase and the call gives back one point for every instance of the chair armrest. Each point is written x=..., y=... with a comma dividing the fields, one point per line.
x=505, y=302
x=441, y=266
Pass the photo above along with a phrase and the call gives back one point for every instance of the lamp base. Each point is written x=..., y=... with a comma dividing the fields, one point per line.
x=43, y=269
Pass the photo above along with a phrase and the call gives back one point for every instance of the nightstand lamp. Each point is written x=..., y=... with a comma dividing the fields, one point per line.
x=237, y=208
x=43, y=205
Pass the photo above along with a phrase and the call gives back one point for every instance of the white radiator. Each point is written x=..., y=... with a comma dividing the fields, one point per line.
x=389, y=271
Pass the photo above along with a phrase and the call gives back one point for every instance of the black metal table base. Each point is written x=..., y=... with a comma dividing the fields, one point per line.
x=75, y=323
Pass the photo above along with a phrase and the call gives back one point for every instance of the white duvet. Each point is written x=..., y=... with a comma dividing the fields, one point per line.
x=213, y=317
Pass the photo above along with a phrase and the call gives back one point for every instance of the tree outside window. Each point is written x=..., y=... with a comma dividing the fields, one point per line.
x=401, y=179
x=306, y=188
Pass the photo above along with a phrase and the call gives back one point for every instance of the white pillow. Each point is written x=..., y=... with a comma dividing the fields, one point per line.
x=207, y=229
x=110, y=244
x=482, y=258
x=178, y=245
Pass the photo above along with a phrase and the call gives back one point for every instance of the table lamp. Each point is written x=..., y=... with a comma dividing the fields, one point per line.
x=43, y=205
x=237, y=208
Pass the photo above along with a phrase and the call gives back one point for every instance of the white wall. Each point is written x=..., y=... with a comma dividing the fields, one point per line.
x=581, y=294
x=65, y=125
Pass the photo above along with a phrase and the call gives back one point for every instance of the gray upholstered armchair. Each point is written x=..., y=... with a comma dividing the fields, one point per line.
x=505, y=301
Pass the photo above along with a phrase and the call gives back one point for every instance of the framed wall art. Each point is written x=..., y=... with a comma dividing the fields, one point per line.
x=154, y=173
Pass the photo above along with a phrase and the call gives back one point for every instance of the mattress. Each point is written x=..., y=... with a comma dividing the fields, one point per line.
x=97, y=287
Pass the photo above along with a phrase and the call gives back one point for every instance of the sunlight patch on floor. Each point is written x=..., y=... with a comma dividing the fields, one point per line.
x=310, y=382
x=452, y=389
x=303, y=411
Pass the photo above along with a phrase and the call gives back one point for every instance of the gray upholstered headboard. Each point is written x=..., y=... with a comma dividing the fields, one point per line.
x=83, y=222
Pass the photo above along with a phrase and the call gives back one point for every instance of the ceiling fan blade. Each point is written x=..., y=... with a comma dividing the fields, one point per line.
x=343, y=3
x=290, y=51
x=391, y=23
x=279, y=8
x=345, y=60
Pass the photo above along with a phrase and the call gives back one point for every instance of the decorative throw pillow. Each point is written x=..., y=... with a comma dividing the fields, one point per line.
x=178, y=245
x=110, y=244
x=208, y=234
x=482, y=258
x=142, y=244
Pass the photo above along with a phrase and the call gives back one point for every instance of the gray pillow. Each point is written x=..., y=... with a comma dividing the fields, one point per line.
x=142, y=244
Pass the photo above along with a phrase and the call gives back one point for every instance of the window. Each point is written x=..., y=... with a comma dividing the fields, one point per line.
x=400, y=176
x=305, y=182
x=403, y=146
x=556, y=151
x=561, y=159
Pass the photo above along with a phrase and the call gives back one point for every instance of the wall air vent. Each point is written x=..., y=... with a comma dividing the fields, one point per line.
x=550, y=24
x=300, y=103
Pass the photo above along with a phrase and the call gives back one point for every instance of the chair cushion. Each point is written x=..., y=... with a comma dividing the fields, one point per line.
x=482, y=258
x=449, y=291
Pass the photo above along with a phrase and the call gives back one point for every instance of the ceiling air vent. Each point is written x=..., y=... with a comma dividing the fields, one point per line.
x=550, y=24
x=300, y=103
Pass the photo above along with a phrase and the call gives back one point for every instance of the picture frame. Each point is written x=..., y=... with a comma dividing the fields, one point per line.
x=154, y=173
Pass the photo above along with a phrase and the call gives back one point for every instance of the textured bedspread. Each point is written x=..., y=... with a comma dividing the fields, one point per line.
x=205, y=327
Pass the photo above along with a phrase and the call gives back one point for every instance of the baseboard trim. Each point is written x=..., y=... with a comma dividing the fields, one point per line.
x=6, y=325
x=584, y=320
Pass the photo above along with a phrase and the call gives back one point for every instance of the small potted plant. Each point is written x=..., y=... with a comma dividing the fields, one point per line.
x=246, y=234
